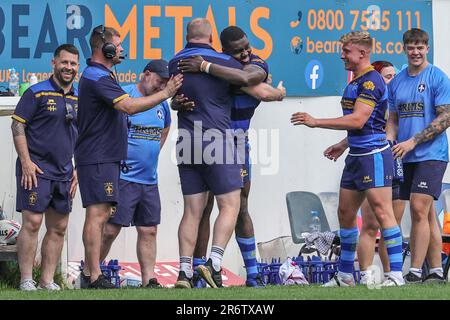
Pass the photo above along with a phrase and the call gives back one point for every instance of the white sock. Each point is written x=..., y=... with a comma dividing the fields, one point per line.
x=416, y=271
x=186, y=266
x=216, y=257
x=438, y=271
x=363, y=273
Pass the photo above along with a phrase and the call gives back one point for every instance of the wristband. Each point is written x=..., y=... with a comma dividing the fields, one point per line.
x=207, y=67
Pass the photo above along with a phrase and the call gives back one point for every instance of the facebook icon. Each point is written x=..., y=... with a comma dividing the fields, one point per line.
x=314, y=74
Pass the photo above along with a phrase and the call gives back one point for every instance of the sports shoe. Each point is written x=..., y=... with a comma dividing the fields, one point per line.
x=339, y=281
x=153, y=284
x=101, y=283
x=433, y=278
x=392, y=282
x=85, y=281
x=368, y=279
x=28, y=285
x=411, y=278
x=50, y=287
x=211, y=276
x=256, y=282
x=183, y=282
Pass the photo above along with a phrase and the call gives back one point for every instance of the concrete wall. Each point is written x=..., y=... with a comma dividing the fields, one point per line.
x=298, y=152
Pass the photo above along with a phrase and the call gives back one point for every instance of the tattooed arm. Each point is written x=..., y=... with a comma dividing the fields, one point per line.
x=29, y=169
x=436, y=127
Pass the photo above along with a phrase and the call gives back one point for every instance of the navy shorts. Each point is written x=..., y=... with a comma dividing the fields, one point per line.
x=369, y=171
x=49, y=193
x=139, y=205
x=218, y=178
x=423, y=177
x=395, y=190
x=99, y=183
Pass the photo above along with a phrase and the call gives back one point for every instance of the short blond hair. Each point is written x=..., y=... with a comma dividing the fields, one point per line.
x=357, y=37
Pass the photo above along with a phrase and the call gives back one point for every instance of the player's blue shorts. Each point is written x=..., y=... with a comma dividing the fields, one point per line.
x=99, y=183
x=423, y=177
x=139, y=205
x=49, y=193
x=368, y=171
x=217, y=178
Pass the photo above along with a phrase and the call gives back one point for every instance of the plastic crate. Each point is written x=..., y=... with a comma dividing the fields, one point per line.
x=316, y=271
x=110, y=271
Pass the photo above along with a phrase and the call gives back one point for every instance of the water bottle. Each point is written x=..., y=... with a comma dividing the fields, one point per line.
x=315, y=222
x=33, y=79
x=14, y=82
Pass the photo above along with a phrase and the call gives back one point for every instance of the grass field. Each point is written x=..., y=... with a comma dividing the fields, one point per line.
x=412, y=292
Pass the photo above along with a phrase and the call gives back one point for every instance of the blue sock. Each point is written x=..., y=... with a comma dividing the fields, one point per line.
x=393, y=241
x=349, y=240
x=248, y=251
x=198, y=261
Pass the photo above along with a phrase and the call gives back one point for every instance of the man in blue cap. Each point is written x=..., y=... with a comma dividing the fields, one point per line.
x=139, y=203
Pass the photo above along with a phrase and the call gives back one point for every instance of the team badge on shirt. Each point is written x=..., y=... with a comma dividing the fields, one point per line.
x=159, y=114
x=109, y=190
x=421, y=87
x=369, y=85
x=32, y=198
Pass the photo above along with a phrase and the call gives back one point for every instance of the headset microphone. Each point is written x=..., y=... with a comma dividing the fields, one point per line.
x=123, y=57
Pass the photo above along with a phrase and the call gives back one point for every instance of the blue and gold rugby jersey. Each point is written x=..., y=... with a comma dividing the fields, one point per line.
x=369, y=88
x=244, y=104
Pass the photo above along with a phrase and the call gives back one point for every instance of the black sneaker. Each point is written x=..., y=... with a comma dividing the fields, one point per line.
x=256, y=282
x=85, y=281
x=411, y=278
x=153, y=284
x=183, y=282
x=434, y=278
x=101, y=283
x=211, y=276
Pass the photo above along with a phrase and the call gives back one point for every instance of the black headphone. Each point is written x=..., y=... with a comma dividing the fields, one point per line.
x=108, y=48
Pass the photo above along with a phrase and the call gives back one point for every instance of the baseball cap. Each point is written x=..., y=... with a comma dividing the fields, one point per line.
x=159, y=66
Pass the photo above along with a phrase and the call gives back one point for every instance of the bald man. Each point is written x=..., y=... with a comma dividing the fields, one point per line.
x=201, y=170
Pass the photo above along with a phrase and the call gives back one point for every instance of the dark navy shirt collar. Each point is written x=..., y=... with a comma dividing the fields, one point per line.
x=58, y=88
x=199, y=45
x=91, y=63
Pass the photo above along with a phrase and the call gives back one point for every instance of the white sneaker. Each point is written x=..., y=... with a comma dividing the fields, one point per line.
x=50, y=287
x=392, y=282
x=368, y=278
x=28, y=285
x=340, y=281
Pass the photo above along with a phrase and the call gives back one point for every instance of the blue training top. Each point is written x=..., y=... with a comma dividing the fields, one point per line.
x=415, y=99
x=144, y=141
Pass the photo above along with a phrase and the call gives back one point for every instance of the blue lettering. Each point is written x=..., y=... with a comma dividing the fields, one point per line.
x=19, y=31
x=47, y=27
x=79, y=24
x=2, y=36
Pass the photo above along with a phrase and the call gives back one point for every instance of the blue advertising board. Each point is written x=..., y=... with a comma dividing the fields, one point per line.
x=299, y=39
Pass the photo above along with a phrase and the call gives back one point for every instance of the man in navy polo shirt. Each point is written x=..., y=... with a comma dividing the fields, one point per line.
x=139, y=202
x=44, y=131
x=102, y=140
x=199, y=169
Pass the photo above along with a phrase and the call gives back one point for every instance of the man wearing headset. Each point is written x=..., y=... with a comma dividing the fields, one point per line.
x=44, y=131
x=102, y=140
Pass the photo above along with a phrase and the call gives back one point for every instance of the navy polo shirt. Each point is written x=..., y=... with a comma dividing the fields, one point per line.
x=102, y=129
x=50, y=132
x=212, y=96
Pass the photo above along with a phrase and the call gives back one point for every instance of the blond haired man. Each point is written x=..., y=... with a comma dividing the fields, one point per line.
x=369, y=165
